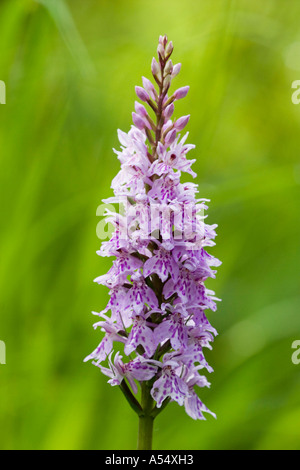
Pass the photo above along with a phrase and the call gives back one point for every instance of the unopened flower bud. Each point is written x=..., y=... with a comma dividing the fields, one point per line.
x=167, y=125
x=181, y=92
x=161, y=50
x=149, y=87
x=169, y=111
x=181, y=122
x=176, y=70
x=140, y=109
x=170, y=137
x=163, y=40
x=169, y=67
x=142, y=94
x=155, y=67
x=138, y=121
x=169, y=49
x=167, y=82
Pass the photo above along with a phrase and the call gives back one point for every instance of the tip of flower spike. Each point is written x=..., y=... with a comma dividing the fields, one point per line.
x=163, y=40
x=164, y=50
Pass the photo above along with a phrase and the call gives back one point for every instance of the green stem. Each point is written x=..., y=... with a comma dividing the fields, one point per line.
x=145, y=419
x=130, y=398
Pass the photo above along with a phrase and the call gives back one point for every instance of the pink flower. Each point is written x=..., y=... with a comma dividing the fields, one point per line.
x=157, y=281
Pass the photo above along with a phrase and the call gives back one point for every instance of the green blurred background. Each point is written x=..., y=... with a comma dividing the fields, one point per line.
x=70, y=69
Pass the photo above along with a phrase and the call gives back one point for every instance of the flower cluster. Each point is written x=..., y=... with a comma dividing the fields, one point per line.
x=157, y=293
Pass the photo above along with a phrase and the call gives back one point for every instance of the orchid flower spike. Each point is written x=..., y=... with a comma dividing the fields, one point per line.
x=157, y=282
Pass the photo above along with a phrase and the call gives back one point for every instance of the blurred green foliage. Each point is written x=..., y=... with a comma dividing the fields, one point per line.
x=70, y=68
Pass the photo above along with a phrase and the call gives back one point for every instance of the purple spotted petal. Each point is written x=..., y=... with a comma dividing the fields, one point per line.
x=195, y=408
x=142, y=335
x=169, y=385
